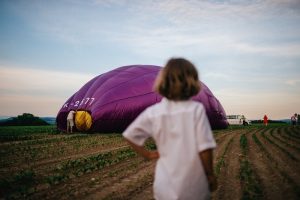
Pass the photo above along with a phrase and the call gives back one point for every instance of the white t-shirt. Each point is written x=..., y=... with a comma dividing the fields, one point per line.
x=181, y=130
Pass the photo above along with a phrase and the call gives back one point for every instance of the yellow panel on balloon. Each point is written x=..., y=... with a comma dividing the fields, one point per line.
x=83, y=120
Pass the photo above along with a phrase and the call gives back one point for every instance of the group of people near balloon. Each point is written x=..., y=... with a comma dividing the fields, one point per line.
x=294, y=119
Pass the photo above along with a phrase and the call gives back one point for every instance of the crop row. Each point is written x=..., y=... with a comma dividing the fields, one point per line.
x=65, y=146
x=284, y=140
x=285, y=135
x=62, y=172
x=294, y=132
x=77, y=167
x=43, y=140
x=250, y=184
x=221, y=161
x=275, y=164
x=266, y=137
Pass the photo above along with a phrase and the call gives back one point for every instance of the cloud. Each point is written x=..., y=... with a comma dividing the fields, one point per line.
x=174, y=22
x=211, y=27
x=186, y=13
x=293, y=82
x=155, y=30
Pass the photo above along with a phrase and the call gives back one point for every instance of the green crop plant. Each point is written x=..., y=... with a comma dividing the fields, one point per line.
x=251, y=187
x=150, y=144
x=221, y=161
x=88, y=164
x=243, y=143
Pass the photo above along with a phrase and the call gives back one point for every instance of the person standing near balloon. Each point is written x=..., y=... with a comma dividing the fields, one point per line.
x=70, y=121
x=182, y=133
x=294, y=119
x=265, y=120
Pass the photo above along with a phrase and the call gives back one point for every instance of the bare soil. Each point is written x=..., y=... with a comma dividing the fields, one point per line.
x=280, y=158
x=271, y=181
x=275, y=163
x=228, y=179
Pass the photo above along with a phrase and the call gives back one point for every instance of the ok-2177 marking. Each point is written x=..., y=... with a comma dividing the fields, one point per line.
x=79, y=103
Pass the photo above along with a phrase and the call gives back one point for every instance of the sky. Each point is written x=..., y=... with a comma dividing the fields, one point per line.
x=246, y=52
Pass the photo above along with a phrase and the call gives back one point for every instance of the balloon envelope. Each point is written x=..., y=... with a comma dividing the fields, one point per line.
x=114, y=99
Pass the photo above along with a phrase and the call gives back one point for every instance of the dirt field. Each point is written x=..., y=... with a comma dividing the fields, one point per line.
x=252, y=162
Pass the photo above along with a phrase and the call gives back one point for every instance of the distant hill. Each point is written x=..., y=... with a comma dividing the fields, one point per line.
x=4, y=118
x=288, y=121
x=49, y=120
x=26, y=119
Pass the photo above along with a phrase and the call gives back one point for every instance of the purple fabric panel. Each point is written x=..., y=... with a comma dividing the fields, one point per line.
x=214, y=110
x=130, y=86
x=116, y=116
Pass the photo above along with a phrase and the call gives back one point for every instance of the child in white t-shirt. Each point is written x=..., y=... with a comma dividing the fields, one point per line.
x=182, y=133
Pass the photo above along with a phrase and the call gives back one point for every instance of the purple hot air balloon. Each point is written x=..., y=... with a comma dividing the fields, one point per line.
x=114, y=99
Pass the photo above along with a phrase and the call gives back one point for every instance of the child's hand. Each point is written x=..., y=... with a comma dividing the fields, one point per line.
x=213, y=183
x=152, y=155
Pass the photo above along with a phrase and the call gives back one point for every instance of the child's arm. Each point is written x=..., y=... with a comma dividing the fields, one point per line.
x=143, y=152
x=207, y=161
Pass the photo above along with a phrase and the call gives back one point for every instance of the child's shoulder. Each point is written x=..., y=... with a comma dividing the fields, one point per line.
x=197, y=104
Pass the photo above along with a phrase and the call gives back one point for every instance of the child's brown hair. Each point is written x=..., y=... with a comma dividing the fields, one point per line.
x=178, y=80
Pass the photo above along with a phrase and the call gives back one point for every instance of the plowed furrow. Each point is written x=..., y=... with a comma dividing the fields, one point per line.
x=285, y=137
x=45, y=166
x=146, y=194
x=78, y=187
x=229, y=183
x=221, y=146
x=125, y=187
x=294, y=132
x=270, y=179
x=289, y=145
x=287, y=165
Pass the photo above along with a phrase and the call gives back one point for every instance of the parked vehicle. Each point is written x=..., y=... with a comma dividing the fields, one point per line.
x=237, y=120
